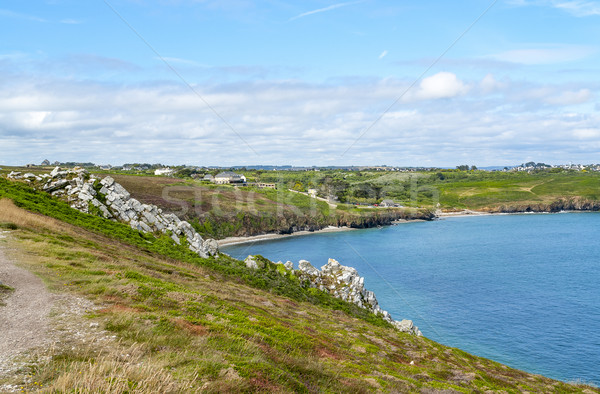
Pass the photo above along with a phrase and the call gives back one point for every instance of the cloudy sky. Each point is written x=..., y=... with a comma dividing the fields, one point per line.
x=316, y=82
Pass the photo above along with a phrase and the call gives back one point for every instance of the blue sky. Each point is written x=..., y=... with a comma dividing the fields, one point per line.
x=305, y=83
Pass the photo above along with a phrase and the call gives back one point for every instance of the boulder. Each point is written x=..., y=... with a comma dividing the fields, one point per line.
x=307, y=268
x=251, y=262
x=407, y=326
x=54, y=186
x=211, y=246
x=107, y=181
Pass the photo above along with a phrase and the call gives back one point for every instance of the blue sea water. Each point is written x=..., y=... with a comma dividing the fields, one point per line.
x=522, y=290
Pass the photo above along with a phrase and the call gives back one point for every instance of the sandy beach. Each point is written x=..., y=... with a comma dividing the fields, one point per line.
x=265, y=237
x=466, y=212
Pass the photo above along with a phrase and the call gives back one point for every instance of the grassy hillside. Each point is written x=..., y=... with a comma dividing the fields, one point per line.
x=455, y=190
x=222, y=211
x=186, y=324
x=501, y=191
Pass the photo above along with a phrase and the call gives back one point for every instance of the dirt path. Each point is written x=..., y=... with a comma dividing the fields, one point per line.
x=24, y=320
x=36, y=323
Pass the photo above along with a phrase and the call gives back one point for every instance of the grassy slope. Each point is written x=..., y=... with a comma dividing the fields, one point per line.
x=481, y=190
x=189, y=326
x=492, y=191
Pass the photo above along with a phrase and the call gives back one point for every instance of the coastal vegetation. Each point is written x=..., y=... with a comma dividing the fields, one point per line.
x=186, y=324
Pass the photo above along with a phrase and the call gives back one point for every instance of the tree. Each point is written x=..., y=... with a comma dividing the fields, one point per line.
x=298, y=187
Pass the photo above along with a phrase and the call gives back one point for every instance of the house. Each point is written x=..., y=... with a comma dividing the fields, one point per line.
x=209, y=177
x=388, y=204
x=164, y=171
x=228, y=177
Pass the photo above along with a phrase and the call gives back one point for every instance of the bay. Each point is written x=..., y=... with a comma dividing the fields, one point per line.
x=519, y=289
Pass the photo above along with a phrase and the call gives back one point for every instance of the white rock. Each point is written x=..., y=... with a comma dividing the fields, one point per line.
x=251, y=262
x=107, y=181
x=308, y=268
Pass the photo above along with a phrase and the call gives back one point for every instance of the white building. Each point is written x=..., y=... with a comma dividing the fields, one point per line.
x=164, y=171
x=227, y=177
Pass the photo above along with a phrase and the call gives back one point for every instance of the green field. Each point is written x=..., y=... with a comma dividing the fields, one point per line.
x=187, y=324
x=456, y=190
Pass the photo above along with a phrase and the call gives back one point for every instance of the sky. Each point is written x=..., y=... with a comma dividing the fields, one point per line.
x=314, y=82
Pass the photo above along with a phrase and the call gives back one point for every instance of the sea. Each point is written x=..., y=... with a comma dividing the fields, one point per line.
x=523, y=290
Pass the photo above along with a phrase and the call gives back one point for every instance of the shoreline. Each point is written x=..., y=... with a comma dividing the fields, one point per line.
x=465, y=213
x=229, y=241
x=470, y=213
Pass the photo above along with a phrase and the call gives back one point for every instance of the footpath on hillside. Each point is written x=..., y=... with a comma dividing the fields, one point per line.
x=34, y=322
x=24, y=317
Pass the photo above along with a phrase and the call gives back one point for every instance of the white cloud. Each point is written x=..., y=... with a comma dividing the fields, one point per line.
x=383, y=54
x=324, y=9
x=587, y=133
x=71, y=22
x=489, y=84
x=570, y=97
x=18, y=15
x=578, y=8
x=441, y=85
x=545, y=55
x=290, y=122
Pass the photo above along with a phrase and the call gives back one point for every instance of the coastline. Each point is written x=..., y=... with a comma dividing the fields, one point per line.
x=470, y=213
x=229, y=241
x=267, y=237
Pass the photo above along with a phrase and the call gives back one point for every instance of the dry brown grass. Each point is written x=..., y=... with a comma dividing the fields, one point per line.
x=110, y=372
x=10, y=213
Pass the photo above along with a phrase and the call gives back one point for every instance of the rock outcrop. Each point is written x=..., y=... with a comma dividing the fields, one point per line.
x=341, y=282
x=109, y=199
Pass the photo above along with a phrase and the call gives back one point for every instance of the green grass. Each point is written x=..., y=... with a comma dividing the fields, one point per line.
x=490, y=190
x=4, y=292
